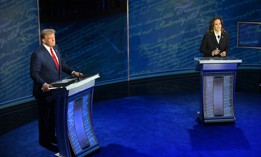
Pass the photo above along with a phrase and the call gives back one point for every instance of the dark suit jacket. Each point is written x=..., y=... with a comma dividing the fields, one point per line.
x=209, y=43
x=43, y=69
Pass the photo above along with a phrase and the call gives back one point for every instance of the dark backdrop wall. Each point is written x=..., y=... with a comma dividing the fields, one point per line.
x=91, y=34
x=164, y=37
x=18, y=37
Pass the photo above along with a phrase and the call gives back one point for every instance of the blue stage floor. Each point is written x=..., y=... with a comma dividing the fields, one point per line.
x=160, y=125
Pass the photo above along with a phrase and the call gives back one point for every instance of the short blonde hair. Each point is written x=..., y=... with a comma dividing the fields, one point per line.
x=45, y=32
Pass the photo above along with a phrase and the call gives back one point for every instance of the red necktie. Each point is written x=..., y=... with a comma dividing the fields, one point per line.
x=55, y=59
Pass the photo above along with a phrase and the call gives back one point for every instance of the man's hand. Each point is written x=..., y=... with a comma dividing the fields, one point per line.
x=75, y=73
x=46, y=87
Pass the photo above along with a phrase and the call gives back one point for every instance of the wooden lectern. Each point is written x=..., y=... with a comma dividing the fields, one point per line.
x=218, y=82
x=73, y=121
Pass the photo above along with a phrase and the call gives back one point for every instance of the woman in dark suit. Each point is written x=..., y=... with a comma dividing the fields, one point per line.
x=215, y=42
x=46, y=66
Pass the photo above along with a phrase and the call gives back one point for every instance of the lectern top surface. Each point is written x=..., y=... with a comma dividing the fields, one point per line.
x=203, y=60
x=68, y=81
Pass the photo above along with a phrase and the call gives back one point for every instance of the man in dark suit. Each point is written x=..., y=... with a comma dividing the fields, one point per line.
x=215, y=42
x=46, y=66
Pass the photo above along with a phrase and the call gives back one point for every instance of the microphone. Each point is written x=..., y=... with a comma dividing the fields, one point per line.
x=218, y=36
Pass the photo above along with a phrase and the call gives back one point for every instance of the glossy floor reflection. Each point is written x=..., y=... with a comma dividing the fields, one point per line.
x=160, y=125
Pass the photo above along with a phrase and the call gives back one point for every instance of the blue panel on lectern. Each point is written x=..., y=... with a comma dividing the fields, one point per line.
x=80, y=132
x=208, y=94
x=79, y=124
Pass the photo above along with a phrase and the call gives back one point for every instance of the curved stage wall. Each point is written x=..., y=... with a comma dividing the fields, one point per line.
x=18, y=37
x=164, y=37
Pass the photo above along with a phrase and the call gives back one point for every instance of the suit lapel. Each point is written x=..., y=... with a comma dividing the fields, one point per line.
x=221, y=38
x=58, y=55
x=48, y=57
x=213, y=37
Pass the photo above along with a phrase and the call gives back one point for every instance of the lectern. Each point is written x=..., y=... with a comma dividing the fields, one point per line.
x=218, y=82
x=73, y=119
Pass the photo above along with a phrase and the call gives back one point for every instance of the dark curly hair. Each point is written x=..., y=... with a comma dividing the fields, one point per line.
x=212, y=22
